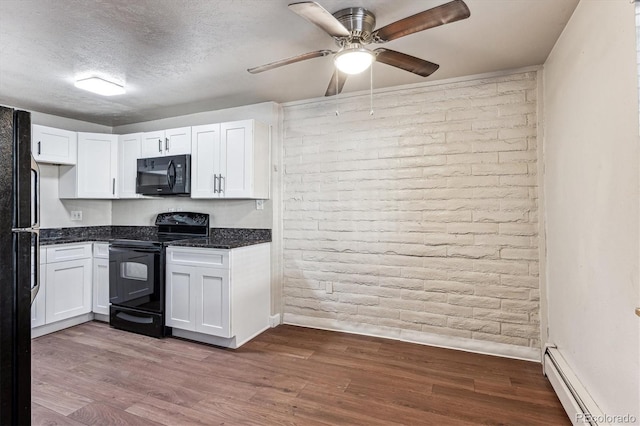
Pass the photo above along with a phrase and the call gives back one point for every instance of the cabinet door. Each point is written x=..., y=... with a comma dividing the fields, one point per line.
x=38, y=309
x=152, y=144
x=97, y=165
x=101, y=286
x=128, y=154
x=177, y=141
x=68, y=289
x=212, y=301
x=237, y=159
x=50, y=145
x=205, y=161
x=180, y=309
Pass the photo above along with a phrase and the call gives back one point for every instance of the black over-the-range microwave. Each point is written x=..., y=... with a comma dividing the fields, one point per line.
x=170, y=175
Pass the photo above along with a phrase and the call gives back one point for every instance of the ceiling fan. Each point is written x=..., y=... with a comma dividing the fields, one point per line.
x=353, y=28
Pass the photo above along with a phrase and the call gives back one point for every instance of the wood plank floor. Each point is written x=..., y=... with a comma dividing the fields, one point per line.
x=94, y=375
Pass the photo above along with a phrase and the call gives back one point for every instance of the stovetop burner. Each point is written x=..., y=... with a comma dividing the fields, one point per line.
x=171, y=227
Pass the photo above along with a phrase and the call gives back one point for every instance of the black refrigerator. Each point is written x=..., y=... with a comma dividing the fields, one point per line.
x=19, y=281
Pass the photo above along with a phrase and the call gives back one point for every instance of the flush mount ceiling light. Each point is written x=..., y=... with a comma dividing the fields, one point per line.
x=100, y=86
x=353, y=59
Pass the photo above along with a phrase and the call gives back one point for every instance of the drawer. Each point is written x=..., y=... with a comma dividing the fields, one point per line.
x=211, y=258
x=62, y=253
x=101, y=250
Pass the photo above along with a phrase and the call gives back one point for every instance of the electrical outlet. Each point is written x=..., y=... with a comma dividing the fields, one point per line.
x=259, y=204
x=76, y=214
x=328, y=287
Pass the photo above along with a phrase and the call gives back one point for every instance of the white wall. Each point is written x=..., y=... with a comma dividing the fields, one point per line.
x=591, y=190
x=55, y=212
x=423, y=217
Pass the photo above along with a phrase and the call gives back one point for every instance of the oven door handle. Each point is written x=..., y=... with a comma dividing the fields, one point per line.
x=121, y=249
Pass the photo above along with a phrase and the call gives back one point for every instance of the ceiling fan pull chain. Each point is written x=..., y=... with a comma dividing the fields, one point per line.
x=371, y=90
x=337, y=93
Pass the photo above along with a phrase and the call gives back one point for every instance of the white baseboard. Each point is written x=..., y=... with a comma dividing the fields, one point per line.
x=448, y=342
x=275, y=320
x=60, y=325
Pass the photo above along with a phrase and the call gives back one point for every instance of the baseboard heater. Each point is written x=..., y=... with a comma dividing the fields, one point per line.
x=580, y=407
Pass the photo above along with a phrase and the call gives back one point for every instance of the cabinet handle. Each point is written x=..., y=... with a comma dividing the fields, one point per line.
x=113, y=187
x=39, y=147
x=166, y=144
x=215, y=184
x=220, y=185
x=159, y=145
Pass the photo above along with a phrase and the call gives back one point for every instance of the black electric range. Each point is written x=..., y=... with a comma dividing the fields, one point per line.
x=137, y=272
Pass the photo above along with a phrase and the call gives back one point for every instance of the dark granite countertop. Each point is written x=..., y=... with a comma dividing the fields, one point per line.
x=222, y=238
x=216, y=242
x=227, y=238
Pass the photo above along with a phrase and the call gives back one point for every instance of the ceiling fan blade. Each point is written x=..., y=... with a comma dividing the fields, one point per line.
x=337, y=83
x=406, y=62
x=319, y=16
x=439, y=15
x=291, y=60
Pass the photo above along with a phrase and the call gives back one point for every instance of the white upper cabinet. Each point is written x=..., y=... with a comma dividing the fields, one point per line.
x=95, y=175
x=128, y=154
x=231, y=160
x=166, y=142
x=50, y=145
x=205, y=160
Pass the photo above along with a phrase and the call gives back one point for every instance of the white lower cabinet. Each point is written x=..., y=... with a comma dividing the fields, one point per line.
x=66, y=277
x=68, y=290
x=101, y=278
x=198, y=299
x=218, y=296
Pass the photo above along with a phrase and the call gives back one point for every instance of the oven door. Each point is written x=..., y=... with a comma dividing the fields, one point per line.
x=136, y=277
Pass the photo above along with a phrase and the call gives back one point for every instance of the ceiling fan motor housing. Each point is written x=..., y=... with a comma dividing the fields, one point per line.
x=359, y=22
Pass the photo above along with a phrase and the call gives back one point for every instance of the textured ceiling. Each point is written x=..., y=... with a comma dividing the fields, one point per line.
x=183, y=56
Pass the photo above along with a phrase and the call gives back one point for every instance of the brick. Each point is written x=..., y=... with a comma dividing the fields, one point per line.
x=500, y=216
x=402, y=304
x=501, y=267
x=400, y=324
x=519, y=253
x=473, y=324
x=424, y=318
x=502, y=292
x=527, y=331
x=500, y=316
x=474, y=277
x=374, y=311
x=474, y=301
x=499, y=169
x=472, y=252
x=520, y=281
x=477, y=158
x=500, y=145
x=358, y=299
x=432, y=295
x=448, y=309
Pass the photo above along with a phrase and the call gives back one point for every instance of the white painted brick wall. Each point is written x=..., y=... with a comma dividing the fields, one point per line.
x=422, y=217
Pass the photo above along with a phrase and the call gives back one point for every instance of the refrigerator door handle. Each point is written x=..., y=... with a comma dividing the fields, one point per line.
x=36, y=266
x=36, y=259
x=36, y=197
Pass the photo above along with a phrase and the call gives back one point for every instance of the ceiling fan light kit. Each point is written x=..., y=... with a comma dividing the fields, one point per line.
x=353, y=59
x=353, y=28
